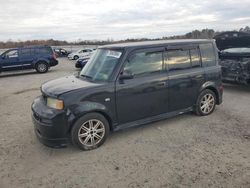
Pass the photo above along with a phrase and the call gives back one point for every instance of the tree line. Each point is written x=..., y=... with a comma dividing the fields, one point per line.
x=196, y=34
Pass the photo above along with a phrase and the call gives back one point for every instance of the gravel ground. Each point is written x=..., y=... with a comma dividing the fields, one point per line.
x=184, y=151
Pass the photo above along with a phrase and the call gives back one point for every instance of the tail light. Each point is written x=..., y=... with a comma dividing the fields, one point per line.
x=221, y=87
x=54, y=55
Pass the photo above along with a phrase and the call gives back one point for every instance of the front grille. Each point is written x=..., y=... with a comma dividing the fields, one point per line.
x=44, y=97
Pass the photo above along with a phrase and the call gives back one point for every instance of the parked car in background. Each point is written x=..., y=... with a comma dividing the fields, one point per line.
x=125, y=85
x=81, y=62
x=80, y=53
x=235, y=64
x=90, y=54
x=40, y=58
x=60, y=52
x=234, y=54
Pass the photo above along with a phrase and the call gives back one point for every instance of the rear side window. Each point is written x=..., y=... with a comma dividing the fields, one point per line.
x=208, y=54
x=142, y=63
x=25, y=52
x=195, y=58
x=178, y=60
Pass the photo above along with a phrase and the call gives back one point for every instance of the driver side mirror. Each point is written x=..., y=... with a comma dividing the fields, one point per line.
x=126, y=77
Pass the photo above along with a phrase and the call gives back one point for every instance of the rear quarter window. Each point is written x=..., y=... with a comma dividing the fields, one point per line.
x=43, y=51
x=208, y=54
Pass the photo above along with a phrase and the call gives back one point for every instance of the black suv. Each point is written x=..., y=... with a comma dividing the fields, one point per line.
x=40, y=58
x=125, y=85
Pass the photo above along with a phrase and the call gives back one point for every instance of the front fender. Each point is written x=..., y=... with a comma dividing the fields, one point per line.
x=76, y=111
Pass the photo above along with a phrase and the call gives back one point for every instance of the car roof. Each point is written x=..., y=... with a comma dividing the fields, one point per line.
x=155, y=43
x=36, y=46
x=11, y=49
x=31, y=46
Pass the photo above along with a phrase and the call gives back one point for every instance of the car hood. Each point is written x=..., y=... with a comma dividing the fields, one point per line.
x=56, y=87
x=233, y=42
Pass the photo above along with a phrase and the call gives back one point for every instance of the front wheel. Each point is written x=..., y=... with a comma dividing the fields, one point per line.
x=90, y=131
x=76, y=57
x=42, y=67
x=206, y=103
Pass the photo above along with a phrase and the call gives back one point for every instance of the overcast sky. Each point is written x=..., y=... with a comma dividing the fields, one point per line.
x=116, y=19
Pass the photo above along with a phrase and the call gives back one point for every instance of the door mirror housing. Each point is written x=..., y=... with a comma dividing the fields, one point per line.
x=126, y=77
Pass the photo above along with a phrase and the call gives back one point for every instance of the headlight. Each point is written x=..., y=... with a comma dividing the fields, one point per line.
x=55, y=103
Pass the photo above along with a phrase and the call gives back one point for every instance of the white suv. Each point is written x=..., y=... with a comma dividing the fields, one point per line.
x=80, y=53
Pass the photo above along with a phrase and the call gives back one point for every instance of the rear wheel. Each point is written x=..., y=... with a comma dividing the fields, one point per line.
x=90, y=131
x=42, y=67
x=206, y=103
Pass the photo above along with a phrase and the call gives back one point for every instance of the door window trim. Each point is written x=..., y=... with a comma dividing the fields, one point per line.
x=156, y=49
x=185, y=47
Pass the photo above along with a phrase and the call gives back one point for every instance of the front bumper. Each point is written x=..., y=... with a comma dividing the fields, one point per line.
x=50, y=125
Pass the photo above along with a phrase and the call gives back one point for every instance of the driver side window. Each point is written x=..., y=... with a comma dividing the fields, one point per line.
x=142, y=63
x=11, y=54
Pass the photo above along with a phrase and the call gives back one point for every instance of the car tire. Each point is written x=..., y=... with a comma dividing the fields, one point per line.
x=90, y=131
x=42, y=67
x=206, y=103
x=76, y=57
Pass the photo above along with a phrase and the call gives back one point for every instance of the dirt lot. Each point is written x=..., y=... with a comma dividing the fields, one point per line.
x=185, y=151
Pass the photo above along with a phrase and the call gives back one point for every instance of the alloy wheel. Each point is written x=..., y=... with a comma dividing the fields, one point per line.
x=42, y=67
x=207, y=103
x=91, y=132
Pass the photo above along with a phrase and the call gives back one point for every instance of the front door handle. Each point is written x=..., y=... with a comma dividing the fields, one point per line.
x=199, y=76
x=161, y=84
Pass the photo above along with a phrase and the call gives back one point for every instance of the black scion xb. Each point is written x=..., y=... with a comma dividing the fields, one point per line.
x=125, y=85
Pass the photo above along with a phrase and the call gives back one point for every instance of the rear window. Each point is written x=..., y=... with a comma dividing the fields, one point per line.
x=208, y=54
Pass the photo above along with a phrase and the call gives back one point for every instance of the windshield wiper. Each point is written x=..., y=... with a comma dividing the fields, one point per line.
x=86, y=76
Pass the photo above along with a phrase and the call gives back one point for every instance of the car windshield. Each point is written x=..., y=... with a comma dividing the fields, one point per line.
x=101, y=64
x=237, y=50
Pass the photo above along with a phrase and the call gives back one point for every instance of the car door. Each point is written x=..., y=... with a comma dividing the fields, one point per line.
x=186, y=75
x=26, y=57
x=10, y=61
x=141, y=91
